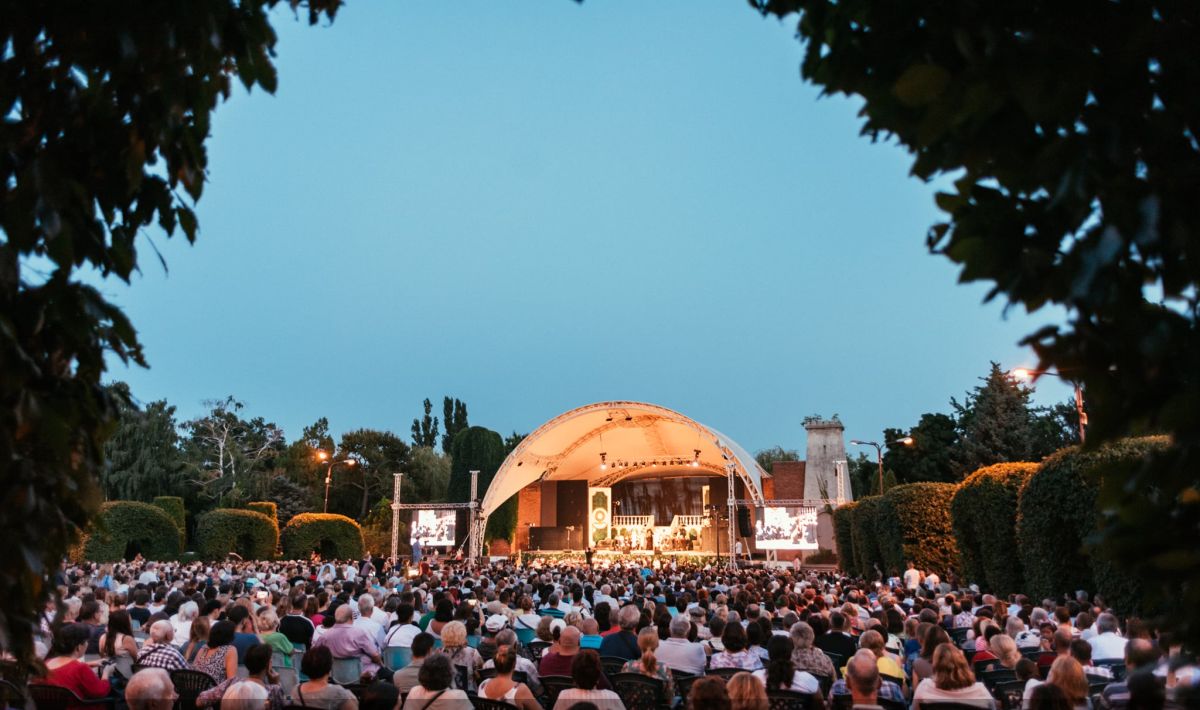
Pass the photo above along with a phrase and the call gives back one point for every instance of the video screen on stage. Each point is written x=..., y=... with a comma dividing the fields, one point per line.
x=434, y=528
x=786, y=529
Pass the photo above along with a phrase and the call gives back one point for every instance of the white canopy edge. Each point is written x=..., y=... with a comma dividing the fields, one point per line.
x=514, y=475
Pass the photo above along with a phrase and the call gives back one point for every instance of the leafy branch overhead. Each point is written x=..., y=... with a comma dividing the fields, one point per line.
x=106, y=110
x=1069, y=135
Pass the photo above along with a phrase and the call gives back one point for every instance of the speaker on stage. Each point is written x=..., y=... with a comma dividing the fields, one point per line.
x=743, y=521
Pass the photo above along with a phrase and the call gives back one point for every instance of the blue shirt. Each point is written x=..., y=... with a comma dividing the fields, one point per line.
x=592, y=642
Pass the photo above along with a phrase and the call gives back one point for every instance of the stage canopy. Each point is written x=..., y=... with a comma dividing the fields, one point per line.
x=608, y=442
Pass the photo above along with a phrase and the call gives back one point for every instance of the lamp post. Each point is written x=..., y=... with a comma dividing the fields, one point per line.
x=323, y=456
x=907, y=441
x=1022, y=373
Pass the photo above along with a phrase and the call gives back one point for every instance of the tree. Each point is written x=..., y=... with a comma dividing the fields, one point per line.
x=475, y=449
x=228, y=455
x=931, y=455
x=106, y=114
x=454, y=419
x=425, y=429
x=428, y=476
x=378, y=454
x=299, y=461
x=512, y=441
x=995, y=424
x=863, y=474
x=142, y=459
x=767, y=458
x=1069, y=131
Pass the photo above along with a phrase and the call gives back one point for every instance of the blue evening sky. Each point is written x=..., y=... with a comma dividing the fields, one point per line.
x=534, y=206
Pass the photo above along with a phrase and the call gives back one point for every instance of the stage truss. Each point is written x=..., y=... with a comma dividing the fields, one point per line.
x=474, y=528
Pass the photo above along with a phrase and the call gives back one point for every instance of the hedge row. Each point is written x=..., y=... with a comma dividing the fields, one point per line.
x=1014, y=527
x=914, y=524
x=173, y=506
x=250, y=534
x=330, y=536
x=843, y=535
x=867, y=551
x=984, y=511
x=129, y=527
x=267, y=508
x=1058, y=514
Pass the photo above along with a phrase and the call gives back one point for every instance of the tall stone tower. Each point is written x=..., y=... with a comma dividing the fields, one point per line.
x=826, y=454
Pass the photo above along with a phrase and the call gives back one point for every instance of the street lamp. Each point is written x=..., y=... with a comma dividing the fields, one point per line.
x=1022, y=373
x=906, y=441
x=323, y=456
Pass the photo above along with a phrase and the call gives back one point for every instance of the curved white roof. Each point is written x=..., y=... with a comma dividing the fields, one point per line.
x=638, y=440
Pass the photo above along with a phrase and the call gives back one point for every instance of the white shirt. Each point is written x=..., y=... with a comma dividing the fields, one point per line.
x=912, y=578
x=801, y=682
x=597, y=598
x=373, y=629
x=682, y=655
x=1107, y=645
x=402, y=635
x=737, y=547
x=148, y=577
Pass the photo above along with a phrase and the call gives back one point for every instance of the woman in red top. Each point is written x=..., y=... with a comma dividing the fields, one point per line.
x=65, y=670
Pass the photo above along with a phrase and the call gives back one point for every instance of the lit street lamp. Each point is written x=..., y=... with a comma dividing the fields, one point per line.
x=907, y=441
x=322, y=457
x=1031, y=376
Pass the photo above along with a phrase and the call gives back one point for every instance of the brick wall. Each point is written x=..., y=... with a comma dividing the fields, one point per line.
x=787, y=480
x=529, y=510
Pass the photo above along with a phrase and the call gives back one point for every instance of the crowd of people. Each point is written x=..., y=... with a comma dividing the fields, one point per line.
x=350, y=635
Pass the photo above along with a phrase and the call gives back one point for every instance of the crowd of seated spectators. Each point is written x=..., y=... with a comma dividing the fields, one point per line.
x=554, y=634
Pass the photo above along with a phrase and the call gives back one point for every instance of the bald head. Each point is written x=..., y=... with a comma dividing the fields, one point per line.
x=1140, y=653
x=569, y=639
x=862, y=674
x=150, y=689
x=162, y=631
x=343, y=615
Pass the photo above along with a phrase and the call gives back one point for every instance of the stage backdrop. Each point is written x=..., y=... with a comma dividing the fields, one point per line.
x=600, y=515
x=786, y=528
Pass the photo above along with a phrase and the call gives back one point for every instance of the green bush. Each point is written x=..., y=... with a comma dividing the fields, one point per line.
x=913, y=523
x=864, y=518
x=265, y=507
x=332, y=536
x=126, y=526
x=1058, y=513
x=984, y=513
x=843, y=535
x=173, y=506
x=250, y=534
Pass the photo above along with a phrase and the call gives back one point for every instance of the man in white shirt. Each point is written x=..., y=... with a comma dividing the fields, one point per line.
x=1107, y=644
x=677, y=652
x=605, y=595
x=912, y=577
x=366, y=605
x=149, y=576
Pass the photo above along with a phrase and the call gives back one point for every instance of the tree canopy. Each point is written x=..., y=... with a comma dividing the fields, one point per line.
x=1068, y=134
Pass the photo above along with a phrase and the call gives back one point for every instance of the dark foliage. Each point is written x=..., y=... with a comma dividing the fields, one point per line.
x=984, y=511
x=332, y=536
x=249, y=533
x=120, y=523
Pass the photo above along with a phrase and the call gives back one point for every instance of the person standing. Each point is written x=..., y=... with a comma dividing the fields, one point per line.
x=588, y=554
x=416, y=552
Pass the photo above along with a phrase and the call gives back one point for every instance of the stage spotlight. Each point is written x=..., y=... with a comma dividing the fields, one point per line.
x=603, y=462
x=696, y=459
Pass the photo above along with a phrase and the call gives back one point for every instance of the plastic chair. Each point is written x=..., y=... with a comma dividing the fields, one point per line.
x=485, y=704
x=1010, y=693
x=346, y=670
x=288, y=679
x=949, y=706
x=612, y=665
x=838, y=661
x=789, y=700
x=992, y=678
x=462, y=677
x=683, y=682
x=725, y=673
x=639, y=691
x=524, y=635
x=189, y=684
x=555, y=684
x=537, y=648
x=10, y=695
x=397, y=657
x=959, y=636
x=52, y=697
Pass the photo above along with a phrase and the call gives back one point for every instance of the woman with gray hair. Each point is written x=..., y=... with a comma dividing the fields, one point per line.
x=804, y=656
x=182, y=621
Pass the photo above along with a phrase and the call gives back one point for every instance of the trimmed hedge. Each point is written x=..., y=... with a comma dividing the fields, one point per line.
x=843, y=536
x=863, y=522
x=332, y=536
x=250, y=534
x=173, y=506
x=984, y=514
x=267, y=508
x=1058, y=513
x=914, y=524
x=122, y=522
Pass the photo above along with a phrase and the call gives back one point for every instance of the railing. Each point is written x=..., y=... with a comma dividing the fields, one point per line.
x=688, y=521
x=632, y=521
